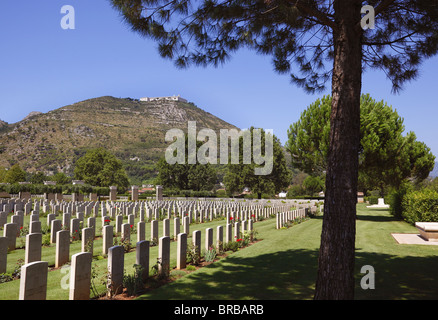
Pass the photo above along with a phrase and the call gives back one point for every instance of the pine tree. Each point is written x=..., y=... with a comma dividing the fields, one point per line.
x=305, y=34
x=386, y=157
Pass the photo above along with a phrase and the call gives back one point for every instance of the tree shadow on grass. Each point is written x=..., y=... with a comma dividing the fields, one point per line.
x=398, y=277
x=291, y=275
x=278, y=276
x=376, y=218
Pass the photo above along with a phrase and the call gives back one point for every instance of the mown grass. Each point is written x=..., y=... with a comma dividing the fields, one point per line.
x=282, y=266
x=56, y=277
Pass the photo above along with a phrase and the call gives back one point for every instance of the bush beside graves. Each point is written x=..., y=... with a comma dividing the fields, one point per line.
x=420, y=206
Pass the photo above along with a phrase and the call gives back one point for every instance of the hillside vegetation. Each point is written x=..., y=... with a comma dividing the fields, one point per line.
x=134, y=131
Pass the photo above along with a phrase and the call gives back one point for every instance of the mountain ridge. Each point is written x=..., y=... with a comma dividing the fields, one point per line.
x=131, y=129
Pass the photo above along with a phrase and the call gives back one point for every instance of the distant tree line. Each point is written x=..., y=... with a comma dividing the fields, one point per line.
x=388, y=159
x=98, y=169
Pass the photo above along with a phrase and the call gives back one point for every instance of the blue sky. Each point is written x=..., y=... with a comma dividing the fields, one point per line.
x=44, y=67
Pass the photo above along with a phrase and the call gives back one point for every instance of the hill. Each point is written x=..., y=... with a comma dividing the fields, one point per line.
x=133, y=130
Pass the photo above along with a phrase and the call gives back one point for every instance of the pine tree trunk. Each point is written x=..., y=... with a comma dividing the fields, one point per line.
x=337, y=251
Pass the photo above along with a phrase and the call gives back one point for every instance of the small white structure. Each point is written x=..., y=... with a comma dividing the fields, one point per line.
x=170, y=98
x=282, y=194
x=380, y=204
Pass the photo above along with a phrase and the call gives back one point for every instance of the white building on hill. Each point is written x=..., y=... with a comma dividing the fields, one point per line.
x=172, y=98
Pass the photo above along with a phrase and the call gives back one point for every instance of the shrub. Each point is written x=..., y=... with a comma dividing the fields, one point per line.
x=395, y=200
x=373, y=199
x=210, y=254
x=46, y=240
x=193, y=255
x=133, y=283
x=421, y=206
x=191, y=268
x=100, y=280
x=231, y=246
x=6, y=277
x=221, y=194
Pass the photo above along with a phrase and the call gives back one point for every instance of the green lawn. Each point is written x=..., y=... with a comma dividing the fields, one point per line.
x=56, y=277
x=283, y=265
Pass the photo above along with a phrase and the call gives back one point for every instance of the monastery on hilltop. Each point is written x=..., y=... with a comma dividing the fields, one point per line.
x=172, y=98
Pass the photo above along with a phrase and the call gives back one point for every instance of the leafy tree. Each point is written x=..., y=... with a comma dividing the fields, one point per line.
x=3, y=172
x=308, y=34
x=386, y=157
x=197, y=177
x=242, y=175
x=99, y=168
x=38, y=178
x=295, y=191
x=431, y=183
x=61, y=178
x=202, y=177
x=313, y=184
x=15, y=174
x=185, y=176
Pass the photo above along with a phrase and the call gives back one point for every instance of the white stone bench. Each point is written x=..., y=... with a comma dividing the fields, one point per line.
x=428, y=230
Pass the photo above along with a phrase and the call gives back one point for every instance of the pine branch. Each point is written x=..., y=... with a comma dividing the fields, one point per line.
x=389, y=42
x=383, y=6
x=313, y=12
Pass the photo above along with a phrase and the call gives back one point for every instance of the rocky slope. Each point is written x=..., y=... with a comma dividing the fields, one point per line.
x=133, y=130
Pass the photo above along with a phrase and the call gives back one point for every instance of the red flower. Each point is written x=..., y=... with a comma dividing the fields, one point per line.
x=239, y=240
x=131, y=225
x=231, y=218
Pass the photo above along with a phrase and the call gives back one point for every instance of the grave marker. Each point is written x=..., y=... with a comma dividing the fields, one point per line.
x=116, y=268
x=107, y=232
x=164, y=256
x=62, y=248
x=33, y=247
x=33, y=281
x=142, y=257
x=181, y=258
x=3, y=254
x=80, y=276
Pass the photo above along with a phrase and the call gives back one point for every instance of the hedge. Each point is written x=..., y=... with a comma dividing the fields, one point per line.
x=420, y=206
x=41, y=188
x=395, y=200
